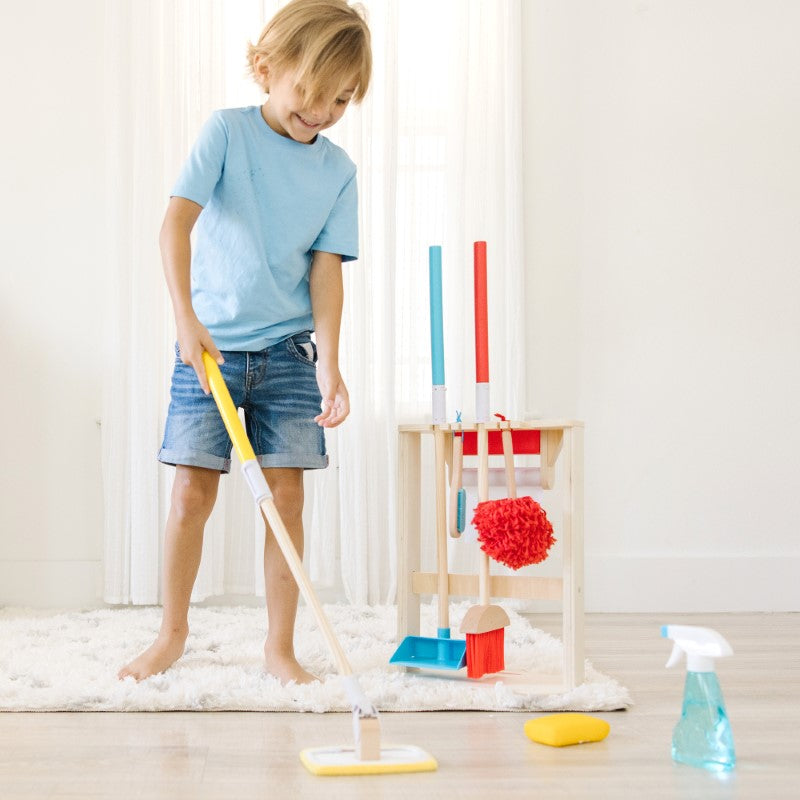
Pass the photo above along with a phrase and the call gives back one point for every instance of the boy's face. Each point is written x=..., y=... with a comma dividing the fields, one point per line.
x=287, y=114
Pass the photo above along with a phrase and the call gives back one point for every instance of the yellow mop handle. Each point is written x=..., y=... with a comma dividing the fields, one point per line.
x=362, y=707
x=230, y=416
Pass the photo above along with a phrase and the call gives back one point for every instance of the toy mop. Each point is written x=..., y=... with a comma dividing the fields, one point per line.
x=439, y=652
x=484, y=624
x=367, y=757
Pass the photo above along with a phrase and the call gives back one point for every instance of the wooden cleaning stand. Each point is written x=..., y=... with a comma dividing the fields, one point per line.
x=561, y=443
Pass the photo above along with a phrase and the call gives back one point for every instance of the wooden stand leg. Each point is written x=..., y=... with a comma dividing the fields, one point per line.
x=572, y=549
x=408, y=532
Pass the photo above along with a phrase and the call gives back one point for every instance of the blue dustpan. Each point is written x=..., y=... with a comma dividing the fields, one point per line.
x=440, y=652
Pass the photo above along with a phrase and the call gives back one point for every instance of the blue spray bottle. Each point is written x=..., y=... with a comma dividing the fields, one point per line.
x=702, y=737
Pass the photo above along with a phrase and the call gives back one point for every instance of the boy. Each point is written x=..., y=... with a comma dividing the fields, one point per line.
x=278, y=203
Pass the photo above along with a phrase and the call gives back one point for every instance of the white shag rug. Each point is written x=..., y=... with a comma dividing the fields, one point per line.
x=68, y=661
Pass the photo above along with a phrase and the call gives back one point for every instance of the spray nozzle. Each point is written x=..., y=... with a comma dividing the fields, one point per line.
x=701, y=645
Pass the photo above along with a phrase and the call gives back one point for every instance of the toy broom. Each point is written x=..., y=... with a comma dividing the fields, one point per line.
x=367, y=757
x=483, y=624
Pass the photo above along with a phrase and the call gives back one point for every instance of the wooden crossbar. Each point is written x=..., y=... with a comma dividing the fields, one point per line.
x=522, y=587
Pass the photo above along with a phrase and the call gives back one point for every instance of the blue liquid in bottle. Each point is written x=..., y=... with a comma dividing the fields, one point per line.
x=703, y=736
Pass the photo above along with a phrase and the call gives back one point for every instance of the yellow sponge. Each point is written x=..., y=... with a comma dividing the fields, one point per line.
x=558, y=730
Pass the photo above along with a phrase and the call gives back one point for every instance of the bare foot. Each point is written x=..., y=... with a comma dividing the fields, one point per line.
x=286, y=669
x=161, y=655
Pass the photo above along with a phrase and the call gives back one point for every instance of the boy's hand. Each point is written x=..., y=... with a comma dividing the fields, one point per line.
x=335, y=400
x=193, y=338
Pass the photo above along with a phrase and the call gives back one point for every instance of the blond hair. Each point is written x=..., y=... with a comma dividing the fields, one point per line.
x=326, y=42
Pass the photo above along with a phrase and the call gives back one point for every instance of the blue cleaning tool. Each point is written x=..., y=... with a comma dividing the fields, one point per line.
x=458, y=495
x=439, y=652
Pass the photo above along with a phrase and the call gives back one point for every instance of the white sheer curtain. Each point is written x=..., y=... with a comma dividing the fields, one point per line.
x=438, y=147
x=164, y=72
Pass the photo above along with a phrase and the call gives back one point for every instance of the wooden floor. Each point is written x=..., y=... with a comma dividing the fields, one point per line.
x=236, y=756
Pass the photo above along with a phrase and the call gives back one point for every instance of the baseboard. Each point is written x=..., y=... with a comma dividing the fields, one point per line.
x=79, y=584
x=618, y=583
x=51, y=584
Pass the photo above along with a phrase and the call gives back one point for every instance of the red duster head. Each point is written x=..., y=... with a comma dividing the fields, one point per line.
x=514, y=531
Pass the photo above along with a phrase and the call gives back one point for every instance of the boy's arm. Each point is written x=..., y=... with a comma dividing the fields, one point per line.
x=176, y=256
x=327, y=298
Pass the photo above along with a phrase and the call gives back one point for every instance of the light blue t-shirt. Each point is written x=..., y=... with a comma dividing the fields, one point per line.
x=268, y=203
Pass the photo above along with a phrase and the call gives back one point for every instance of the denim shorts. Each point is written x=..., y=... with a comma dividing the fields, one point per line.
x=278, y=392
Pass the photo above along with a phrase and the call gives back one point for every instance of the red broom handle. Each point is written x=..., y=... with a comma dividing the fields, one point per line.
x=481, y=316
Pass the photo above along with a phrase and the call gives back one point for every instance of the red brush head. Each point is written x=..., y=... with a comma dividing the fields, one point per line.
x=485, y=653
x=514, y=531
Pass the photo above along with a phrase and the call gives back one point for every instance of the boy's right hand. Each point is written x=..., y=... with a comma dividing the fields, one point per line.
x=193, y=338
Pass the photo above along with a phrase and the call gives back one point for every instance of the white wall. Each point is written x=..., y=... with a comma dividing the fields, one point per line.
x=662, y=181
x=662, y=199
x=51, y=232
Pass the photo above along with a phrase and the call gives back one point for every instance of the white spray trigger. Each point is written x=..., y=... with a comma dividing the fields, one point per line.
x=701, y=645
x=675, y=656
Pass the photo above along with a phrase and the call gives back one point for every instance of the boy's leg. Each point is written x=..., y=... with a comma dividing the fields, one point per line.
x=286, y=485
x=193, y=494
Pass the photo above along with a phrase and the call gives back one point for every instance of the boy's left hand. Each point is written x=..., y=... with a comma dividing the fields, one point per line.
x=335, y=400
